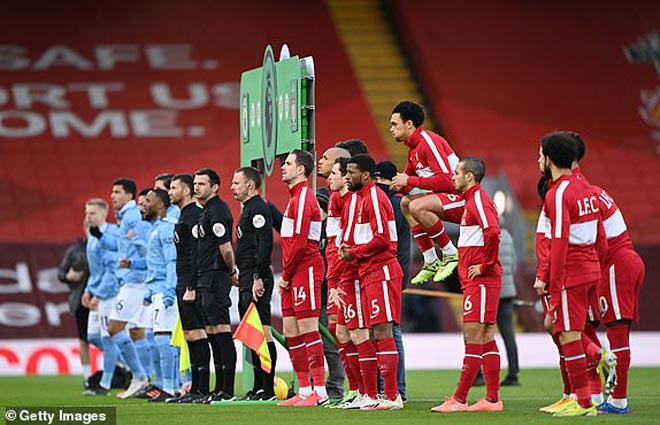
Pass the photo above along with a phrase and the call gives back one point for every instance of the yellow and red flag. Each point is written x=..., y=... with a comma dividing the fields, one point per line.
x=251, y=333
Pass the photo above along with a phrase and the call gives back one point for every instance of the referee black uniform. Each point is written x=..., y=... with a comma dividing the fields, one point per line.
x=213, y=287
x=186, y=232
x=254, y=247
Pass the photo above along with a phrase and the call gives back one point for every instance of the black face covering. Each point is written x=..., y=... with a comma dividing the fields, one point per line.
x=542, y=186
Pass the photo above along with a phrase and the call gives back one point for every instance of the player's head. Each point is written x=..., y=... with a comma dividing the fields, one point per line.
x=142, y=201
x=353, y=146
x=359, y=171
x=580, y=147
x=385, y=172
x=336, y=179
x=469, y=171
x=406, y=117
x=206, y=184
x=163, y=181
x=245, y=183
x=181, y=189
x=558, y=149
x=123, y=191
x=297, y=167
x=96, y=211
x=328, y=159
x=156, y=203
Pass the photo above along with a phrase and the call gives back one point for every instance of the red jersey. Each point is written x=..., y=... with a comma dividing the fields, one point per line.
x=615, y=226
x=431, y=162
x=375, y=231
x=479, y=239
x=301, y=230
x=333, y=231
x=543, y=236
x=351, y=270
x=573, y=211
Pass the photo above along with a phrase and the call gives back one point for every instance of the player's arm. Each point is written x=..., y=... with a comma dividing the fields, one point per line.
x=169, y=254
x=110, y=239
x=264, y=242
x=140, y=231
x=302, y=222
x=601, y=241
x=378, y=225
x=489, y=222
x=543, y=234
x=560, y=227
x=441, y=180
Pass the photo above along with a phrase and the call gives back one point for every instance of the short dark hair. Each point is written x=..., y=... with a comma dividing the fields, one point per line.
x=162, y=195
x=144, y=192
x=364, y=162
x=127, y=184
x=214, y=178
x=353, y=146
x=580, y=146
x=305, y=159
x=252, y=174
x=410, y=110
x=343, y=164
x=166, y=178
x=187, y=180
x=560, y=147
x=474, y=165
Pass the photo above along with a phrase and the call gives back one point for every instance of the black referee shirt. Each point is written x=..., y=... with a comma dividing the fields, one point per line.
x=186, y=232
x=254, y=235
x=215, y=227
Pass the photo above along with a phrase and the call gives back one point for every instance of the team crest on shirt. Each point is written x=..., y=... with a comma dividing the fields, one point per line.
x=219, y=230
x=258, y=221
x=239, y=232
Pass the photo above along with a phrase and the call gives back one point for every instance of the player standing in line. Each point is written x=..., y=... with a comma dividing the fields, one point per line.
x=254, y=247
x=216, y=273
x=574, y=264
x=129, y=245
x=101, y=290
x=300, y=284
x=186, y=233
x=164, y=181
x=375, y=250
x=481, y=280
x=161, y=287
x=431, y=197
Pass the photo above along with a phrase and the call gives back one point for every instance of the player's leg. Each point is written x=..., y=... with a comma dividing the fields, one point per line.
x=164, y=321
x=423, y=241
x=222, y=337
x=505, y=326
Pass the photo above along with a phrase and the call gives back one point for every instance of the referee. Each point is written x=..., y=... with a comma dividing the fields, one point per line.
x=216, y=272
x=254, y=246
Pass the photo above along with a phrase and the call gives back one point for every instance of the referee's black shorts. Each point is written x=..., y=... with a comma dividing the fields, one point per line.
x=245, y=297
x=213, y=288
x=82, y=318
x=190, y=313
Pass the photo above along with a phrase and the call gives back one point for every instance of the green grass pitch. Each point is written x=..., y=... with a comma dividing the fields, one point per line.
x=425, y=390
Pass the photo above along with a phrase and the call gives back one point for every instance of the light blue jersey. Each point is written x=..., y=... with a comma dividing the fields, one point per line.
x=161, y=256
x=174, y=212
x=102, y=282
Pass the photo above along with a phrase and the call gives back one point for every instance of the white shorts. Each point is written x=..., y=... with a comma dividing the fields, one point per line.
x=93, y=323
x=164, y=318
x=104, y=310
x=128, y=306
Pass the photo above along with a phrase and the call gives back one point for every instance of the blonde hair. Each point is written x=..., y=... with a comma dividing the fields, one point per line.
x=97, y=202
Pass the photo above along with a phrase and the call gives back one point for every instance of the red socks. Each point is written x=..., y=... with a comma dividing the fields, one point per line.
x=315, y=357
x=388, y=361
x=351, y=362
x=619, y=335
x=421, y=238
x=471, y=364
x=576, y=364
x=437, y=234
x=368, y=368
x=299, y=360
x=491, y=366
x=591, y=346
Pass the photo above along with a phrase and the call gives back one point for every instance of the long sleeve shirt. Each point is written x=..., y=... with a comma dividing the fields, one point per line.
x=254, y=239
x=351, y=270
x=301, y=230
x=616, y=230
x=479, y=239
x=186, y=232
x=75, y=258
x=102, y=262
x=543, y=237
x=431, y=162
x=333, y=232
x=161, y=256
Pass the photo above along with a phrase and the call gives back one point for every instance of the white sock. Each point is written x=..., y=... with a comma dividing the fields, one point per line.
x=449, y=249
x=621, y=403
x=321, y=391
x=597, y=398
x=430, y=256
x=573, y=396
x=87, y=371
x=305, y=391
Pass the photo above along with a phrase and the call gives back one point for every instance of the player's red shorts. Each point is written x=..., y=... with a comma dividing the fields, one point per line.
x=545, y=302
x=592, y=311
x=351, y=314
x=332, y=283
x=569, y=308
x=480, y=303
x=302, y=298
x=619, y=288
x=381, y=295
x=454, y=205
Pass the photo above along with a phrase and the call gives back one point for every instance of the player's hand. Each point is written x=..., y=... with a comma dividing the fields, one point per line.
x=257, y=289
x=74, y=275
x=95, y=231
x=124, y=263
x=146, y=300
x=345, y=252
x=131, y=234
x=85, y=299
x=282, y=285
x=474, y=271
x=189, y=296
x=169, y=297
x=94, y=303
x=335, y=297
x=399, y=182
x=540, y=287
